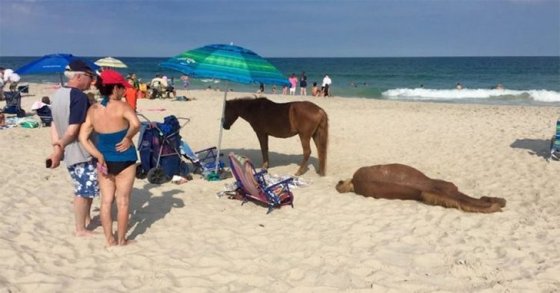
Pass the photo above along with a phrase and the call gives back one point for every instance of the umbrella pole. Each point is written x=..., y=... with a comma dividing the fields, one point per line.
x=221, y=130
x=61, y=81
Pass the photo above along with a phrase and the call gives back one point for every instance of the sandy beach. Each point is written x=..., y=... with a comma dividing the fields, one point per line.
x=191, y=240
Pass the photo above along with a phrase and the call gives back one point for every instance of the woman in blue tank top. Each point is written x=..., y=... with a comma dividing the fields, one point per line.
x=114, y=123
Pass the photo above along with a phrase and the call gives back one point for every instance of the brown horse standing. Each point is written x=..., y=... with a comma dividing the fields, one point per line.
x=283, y=120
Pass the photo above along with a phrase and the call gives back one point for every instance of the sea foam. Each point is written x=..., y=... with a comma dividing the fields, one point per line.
x=454, y=94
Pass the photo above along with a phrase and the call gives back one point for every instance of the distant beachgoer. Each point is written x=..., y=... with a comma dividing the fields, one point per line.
x=169, y=86
x=43, y=110
x=131, y=97
x=69, y=107
x=293, y=84
x=500, y=86
x=274, y=89
x=459, y=86
x=11, y=79
x=157, y=82
x=326, y=85
x=2, y=83
x=142, y=89
x=115, y=123
x=315, y=90
x=46, y=100
x=133, y=80
x=261, y=88
x=285, y=90
x=186, y=81
x=303, y=84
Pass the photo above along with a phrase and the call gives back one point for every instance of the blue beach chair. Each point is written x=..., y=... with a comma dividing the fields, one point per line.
x=204, y=161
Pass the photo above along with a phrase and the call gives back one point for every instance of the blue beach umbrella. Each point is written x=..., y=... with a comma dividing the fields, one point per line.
x=52, y=63
x=229, y=63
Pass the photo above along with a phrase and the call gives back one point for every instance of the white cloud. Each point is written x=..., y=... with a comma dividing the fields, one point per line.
x=23, y=9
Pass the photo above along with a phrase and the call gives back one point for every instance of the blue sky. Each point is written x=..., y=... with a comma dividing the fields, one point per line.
x=322, y=28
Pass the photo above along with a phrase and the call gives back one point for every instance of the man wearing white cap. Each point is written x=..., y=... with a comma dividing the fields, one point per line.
x=69, y=108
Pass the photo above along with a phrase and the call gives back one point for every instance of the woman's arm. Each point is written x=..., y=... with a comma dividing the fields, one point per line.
x=133, y=127
x=85, y=132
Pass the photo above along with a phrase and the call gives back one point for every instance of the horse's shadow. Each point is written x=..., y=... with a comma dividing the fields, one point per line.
x=536, y=147
x=276, y=159
x=146, y=209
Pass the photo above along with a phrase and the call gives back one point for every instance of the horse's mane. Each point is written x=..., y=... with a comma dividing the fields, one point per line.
x=249, y=99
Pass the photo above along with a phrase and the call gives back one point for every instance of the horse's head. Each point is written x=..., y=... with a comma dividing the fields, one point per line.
x=231, y=114
x=345, y=186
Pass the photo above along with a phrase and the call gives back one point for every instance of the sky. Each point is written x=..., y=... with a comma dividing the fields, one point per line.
x=288, y=28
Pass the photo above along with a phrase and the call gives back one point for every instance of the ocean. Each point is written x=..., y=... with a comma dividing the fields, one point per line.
x=526, y=80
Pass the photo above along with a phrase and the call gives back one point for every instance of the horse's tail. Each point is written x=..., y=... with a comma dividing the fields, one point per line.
x=321, y=138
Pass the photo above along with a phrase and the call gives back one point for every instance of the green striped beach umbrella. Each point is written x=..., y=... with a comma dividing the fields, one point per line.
x=228, y=63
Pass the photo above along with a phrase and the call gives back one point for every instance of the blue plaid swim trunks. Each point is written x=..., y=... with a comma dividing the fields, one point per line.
x=84, y=178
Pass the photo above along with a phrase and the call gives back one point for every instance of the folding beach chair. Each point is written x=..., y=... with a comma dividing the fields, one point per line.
x=13, y=103
x=204, y=161
x=252, y=185
x=555, y=143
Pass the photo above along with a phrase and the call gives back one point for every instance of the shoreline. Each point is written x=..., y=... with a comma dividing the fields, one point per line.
x=188, y=238
x=496, y=101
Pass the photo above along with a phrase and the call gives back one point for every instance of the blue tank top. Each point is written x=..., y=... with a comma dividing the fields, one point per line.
x=106, y=144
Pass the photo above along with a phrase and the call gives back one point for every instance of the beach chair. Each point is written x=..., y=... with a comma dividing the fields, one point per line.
x=13, y=103
x=252, y=185
x=204, y=161
x=555, y=143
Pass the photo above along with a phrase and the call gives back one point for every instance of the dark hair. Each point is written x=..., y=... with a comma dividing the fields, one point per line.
x=105, y=89
x=46, y=100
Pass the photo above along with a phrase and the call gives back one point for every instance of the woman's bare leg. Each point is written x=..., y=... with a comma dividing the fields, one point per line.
x=124, y=182
x=107, y=187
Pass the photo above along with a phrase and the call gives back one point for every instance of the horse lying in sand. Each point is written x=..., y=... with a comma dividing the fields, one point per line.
x=396, y=181
x=283, y=120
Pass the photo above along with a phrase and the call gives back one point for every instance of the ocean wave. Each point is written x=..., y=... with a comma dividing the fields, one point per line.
x=453, y=94
x=210, y=80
